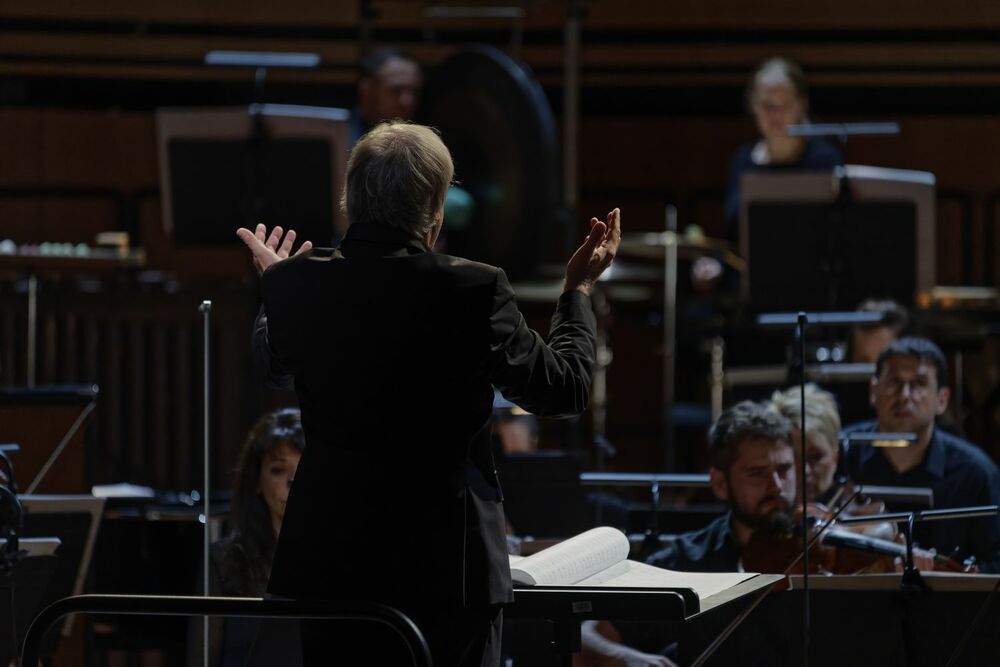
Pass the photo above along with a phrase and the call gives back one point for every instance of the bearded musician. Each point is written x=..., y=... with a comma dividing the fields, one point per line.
x=752, y=470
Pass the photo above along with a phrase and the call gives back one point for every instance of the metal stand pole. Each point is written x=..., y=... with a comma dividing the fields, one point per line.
x=669, y=334
x=599, y=393
x=32, y=328
x=206, y=310
x=800, y=334
x=571, y=103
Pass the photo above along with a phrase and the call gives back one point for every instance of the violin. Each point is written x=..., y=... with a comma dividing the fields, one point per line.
x=860, y=549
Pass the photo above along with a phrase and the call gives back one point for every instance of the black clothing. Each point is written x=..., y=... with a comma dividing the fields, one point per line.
x=712, y=549
x=236, y=642
x=470, y=638
x=394, y=353
x=960, y=475
x=817, y=154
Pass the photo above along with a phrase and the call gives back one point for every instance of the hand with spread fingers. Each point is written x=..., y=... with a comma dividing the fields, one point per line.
x=267, y=249
x=595, y=254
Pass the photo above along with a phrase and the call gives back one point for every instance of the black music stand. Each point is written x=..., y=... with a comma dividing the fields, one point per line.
x=828, y=240
x=22, y=592
x=74, y=520
x=223, y=168
x=566, y=607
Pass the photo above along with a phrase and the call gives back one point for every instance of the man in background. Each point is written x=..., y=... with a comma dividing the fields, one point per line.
x=389, y=85
x=868, y=341
x=908, y=392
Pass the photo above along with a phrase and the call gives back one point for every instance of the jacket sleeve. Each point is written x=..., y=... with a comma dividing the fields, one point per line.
x=266, y=358
x=547, y=379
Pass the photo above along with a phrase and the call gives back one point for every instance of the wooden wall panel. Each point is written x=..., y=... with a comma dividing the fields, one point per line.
x=98, y=149
x=259, y=12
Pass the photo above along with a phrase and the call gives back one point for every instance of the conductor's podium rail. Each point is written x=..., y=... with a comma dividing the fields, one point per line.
x=166, y=605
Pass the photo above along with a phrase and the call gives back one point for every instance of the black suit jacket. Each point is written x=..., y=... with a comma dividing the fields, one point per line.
x=394, y=353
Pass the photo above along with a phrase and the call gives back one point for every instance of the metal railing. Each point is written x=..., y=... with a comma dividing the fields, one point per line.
x=167, y=605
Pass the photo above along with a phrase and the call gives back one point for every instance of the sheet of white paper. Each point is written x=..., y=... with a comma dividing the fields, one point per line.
x=574, y=559
x=633, y=574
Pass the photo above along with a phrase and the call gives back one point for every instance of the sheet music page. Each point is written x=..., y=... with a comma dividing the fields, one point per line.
x=633, y=574
x=574, y=559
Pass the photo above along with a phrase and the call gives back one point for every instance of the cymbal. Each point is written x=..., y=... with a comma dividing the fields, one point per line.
x=652, y=245
x=548, y=291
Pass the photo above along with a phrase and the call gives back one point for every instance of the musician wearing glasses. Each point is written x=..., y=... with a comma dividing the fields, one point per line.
x=908, y=392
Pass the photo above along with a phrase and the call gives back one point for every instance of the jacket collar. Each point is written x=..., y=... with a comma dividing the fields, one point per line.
x=380, y=240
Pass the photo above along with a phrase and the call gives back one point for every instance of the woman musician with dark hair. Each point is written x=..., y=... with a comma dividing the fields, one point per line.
x=240, y=563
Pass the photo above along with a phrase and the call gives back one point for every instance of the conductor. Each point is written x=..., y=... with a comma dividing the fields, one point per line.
x=394, y=351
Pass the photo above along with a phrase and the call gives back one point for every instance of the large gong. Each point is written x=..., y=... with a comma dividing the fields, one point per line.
x=497, y=123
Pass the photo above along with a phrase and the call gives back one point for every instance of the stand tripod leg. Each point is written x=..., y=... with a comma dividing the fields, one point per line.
x=566, y=640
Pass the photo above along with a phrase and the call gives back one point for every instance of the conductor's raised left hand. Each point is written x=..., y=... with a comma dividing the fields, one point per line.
x=269, y=249
x=595, y=255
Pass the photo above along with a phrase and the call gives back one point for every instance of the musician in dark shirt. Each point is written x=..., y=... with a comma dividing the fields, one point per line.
x=908, y=392
x=753, y=471
x=777, y=96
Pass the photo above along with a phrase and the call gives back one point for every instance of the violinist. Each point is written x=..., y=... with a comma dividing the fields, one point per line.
x=822, y=435
x=908, y=392
x=753, y=472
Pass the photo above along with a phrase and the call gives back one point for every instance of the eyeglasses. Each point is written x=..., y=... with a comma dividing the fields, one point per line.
x=917, y=386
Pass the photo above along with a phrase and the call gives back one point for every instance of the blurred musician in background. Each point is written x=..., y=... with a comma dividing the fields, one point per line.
x=389, y=85
x=868, y=341
x=822, y=436
x=241, y=563
x=777, y=96
x=908, y=392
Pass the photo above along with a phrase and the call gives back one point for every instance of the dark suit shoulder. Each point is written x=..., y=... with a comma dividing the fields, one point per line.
x=465, y=269
x=298, y=262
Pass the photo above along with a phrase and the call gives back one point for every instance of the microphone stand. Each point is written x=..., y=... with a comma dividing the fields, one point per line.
x=206, y=310
x=799, y=365
x=800, y=321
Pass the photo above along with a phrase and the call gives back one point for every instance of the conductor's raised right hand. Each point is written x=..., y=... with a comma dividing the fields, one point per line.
x=595, y=255
x=268, y=250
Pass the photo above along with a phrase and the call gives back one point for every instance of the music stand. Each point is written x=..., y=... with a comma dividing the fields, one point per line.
x=74, y=520
x=22, y=591
x=873, y=238
x=224, y=168
x=48, y=422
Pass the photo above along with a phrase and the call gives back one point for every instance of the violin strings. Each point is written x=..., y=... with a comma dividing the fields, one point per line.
x=826, y=524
